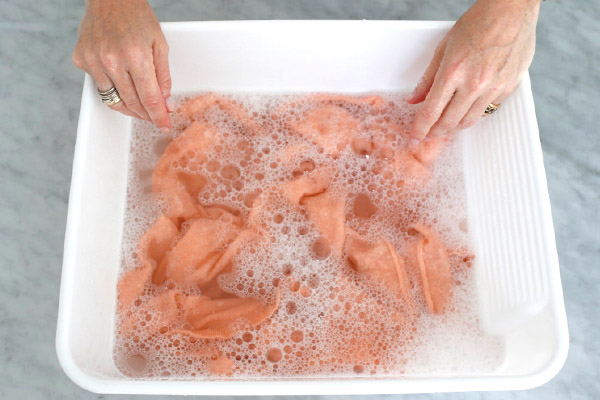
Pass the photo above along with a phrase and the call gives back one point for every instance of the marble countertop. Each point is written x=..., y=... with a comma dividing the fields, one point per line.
x=40, y=91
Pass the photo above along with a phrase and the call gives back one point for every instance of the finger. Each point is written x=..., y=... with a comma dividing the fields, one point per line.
x=163, y=74
x=455, y=111
x=426, y=82
x=431, y=109
x=129, y=94
x=104, y=83
x=500, y=99
x=122, y=108
x=149, y=94
x=476, y=111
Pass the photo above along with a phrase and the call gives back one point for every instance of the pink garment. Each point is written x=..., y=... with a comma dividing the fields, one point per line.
x=192, y=244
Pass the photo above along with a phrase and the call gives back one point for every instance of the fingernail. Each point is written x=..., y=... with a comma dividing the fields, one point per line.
x=165, y=130
x=170, y=104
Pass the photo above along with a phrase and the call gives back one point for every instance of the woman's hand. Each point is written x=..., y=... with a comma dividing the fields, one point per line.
x=121, y=44
x=480, y=61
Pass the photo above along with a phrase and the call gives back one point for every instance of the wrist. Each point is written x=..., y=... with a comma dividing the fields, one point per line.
x=529, y=4
x=511, y=9
x=533, y=4
x=99, y=4
x=108, y=11
x=521, y=4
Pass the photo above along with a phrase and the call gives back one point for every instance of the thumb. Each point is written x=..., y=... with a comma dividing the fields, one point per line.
x=163, y=74
x=422, y=89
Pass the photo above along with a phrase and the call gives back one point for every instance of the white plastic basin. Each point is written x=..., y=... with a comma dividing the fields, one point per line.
x=519, y=290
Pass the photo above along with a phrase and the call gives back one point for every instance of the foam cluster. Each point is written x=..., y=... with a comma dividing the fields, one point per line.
x=334, y=314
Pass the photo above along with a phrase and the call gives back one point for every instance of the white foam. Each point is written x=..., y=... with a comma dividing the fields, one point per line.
x=442, y=344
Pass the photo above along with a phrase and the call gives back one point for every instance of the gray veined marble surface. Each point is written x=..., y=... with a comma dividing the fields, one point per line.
x=40, y=95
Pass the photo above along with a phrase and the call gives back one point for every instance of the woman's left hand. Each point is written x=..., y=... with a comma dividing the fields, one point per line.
x=480, y=61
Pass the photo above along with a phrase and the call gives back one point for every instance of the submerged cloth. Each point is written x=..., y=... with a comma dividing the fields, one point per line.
x=192, y=243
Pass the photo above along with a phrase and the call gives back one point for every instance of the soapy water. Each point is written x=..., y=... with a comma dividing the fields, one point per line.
x=334, y=249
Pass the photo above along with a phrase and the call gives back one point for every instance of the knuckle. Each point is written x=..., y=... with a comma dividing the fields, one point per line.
x=447, y=123
x=77, y=59
x=135, y=55
x=166, y=81
x=468, y=122
x=133, y=103
x=497, y=91
x=453, y=71
x=478, y=84
x=109, y=60
x=89, y=57
x=163, y=46
x=151, y=100
x=428, y=114
x=499, y=86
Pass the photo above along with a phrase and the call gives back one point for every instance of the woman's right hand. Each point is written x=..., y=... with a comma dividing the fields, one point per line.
x=121, y=44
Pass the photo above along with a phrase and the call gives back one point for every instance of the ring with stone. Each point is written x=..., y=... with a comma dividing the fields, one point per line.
x=492, y=108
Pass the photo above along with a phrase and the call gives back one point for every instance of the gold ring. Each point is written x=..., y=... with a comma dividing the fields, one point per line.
x=492, y=108
x=110, y=97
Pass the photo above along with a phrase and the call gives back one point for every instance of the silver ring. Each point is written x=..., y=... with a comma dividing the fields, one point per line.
x=110, y=97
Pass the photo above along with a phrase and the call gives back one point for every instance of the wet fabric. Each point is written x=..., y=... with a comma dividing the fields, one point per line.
x=433, y=265
x=380, y=263
x=192, y=244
